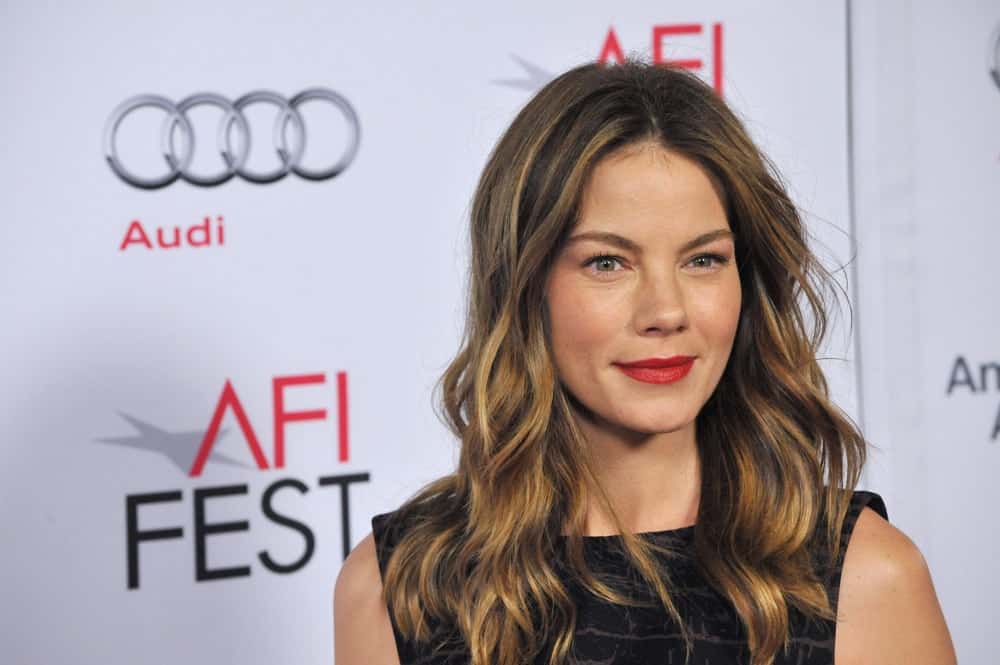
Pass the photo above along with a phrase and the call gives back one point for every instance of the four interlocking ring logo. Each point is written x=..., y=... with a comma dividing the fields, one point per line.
x=234, y=158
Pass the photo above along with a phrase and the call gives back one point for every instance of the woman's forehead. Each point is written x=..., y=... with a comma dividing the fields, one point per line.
x=650, y=190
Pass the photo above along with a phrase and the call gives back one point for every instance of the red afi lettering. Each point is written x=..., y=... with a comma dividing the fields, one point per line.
x=227, y=399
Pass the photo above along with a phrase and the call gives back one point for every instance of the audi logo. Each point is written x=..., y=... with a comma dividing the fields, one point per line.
x=233, y=121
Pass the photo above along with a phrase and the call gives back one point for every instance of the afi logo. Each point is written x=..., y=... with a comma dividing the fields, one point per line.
x=229, y=399
x=179, y=446
x=611, y=50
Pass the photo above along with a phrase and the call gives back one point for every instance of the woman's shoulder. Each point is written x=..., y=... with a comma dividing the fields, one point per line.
x=362, y=628
x=887, y=610
x=359, y=578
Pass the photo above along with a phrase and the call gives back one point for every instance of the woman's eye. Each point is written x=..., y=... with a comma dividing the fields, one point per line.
x=603, y=263
x=709, y=261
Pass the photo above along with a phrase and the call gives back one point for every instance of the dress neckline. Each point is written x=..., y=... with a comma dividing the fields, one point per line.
x=684, y=531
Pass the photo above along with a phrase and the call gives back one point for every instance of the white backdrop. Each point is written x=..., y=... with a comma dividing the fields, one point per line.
x=341, y=300
x=927, y=173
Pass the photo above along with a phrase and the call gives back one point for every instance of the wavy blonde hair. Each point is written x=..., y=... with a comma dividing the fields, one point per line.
x=477, y=563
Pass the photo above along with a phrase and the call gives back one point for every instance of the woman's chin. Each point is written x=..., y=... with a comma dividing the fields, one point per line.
x=653, y=424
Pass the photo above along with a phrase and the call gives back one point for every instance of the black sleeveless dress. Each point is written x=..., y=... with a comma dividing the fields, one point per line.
x=608, y=634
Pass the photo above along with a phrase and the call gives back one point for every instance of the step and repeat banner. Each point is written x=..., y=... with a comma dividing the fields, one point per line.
x=232, y=268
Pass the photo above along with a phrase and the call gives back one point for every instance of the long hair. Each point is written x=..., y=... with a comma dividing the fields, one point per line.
x=479, y=561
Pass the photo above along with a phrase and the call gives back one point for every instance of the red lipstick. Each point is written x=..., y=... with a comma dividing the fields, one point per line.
x=658, y=370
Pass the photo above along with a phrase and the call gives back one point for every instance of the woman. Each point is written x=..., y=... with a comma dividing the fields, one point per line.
x=639, y=359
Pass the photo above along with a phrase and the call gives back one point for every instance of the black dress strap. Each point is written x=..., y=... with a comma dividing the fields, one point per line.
x=384, y=539
x=441, y=649
x=386, y=534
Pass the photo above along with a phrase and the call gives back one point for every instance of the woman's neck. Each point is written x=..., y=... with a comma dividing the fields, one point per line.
x=653, y=480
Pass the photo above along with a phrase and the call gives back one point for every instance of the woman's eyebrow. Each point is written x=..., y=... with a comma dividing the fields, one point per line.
x=610, y=238
x=632, y=246
x=706, y=238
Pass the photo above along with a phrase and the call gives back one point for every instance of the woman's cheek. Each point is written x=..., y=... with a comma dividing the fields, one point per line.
x=717, y=309
x=588, y=312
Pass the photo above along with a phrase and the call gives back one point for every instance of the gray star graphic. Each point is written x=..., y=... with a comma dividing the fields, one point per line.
x=534, y=78
x=179, y=447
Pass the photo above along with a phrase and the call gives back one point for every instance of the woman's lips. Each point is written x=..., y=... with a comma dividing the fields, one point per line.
x=658, y=370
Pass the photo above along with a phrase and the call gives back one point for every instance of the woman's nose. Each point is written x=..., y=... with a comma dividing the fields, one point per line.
x=659, y=305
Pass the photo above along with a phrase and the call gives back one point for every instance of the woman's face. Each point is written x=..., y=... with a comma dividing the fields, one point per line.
x=648, y=273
